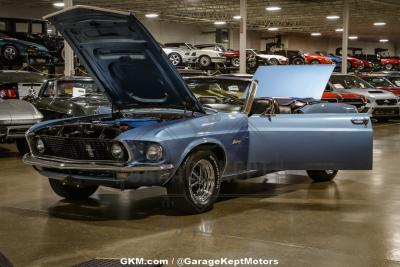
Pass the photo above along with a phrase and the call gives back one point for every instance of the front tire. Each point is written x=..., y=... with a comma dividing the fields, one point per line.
x=298, y=61
x=22, y=146
x=235, y=62
x=315, y=61
x=175, y=59
x=323, y=175
x=195, y=187
x=72, y=192
x=388, y=66
x=10, y=53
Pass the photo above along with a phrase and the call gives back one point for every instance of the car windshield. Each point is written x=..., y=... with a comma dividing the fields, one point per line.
x=379, y=81
x=211, y=91
x=21, y=77
x=395, y=80
x=349, y=82
x=77, y=89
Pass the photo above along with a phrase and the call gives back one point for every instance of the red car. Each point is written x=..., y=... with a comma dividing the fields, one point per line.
x=317, y=59
x=358, y=101
x=232, y=56
x=355, y=63
x=390, y=63
x=368, y=65
x=379, y=81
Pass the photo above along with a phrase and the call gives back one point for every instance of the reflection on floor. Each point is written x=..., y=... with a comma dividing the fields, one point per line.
x=353, y=221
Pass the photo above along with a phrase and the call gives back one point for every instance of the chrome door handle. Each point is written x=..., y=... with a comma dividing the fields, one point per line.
x=360, y=121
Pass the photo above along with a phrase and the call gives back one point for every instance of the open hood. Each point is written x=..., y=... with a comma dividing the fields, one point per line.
x=124, y=60
x=297, y=81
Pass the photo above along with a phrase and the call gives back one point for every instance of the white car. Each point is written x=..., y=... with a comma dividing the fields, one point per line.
x=255, y=59
x=25, y=83
x=205, y=58
x=178, y=56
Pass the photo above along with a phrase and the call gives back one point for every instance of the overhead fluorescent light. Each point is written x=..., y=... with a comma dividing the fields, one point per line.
x=381, y=23
x=237, y=17
x=219, y=22
x=58, y=4
x=384, y=40
x=332, y=17
x=353, y=37
x=273, y=8
x=315, y=34
x=272, y=29
x=151, y=15
x=339, y=30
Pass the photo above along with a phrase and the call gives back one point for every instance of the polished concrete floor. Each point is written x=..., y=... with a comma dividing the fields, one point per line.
x=353, y=221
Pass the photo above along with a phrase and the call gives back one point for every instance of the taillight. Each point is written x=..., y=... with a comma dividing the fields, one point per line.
x=9, y=92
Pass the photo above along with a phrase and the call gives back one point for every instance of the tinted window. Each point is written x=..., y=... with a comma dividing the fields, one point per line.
x=21, y=27
x=49, y=89
x=378, y=81
x=36, y=28
x=349, y=82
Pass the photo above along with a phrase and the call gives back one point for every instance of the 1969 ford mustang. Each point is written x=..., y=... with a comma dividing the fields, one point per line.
x=159, y=134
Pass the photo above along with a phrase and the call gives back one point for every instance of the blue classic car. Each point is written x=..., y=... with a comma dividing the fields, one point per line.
x=160, y=134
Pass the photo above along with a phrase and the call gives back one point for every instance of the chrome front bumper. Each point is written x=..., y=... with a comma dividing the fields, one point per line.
x=63, y=165
x=13, y=132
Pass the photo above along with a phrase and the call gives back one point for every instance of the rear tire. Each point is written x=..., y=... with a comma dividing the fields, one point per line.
x=22, y=146
x=72, y=192
x=204, y=61
x=273, y=61
x=195, y=186
x=10, y=53
x=315, y=61
x=298, y=61
x=235, y=62
x=388, y=66
x=323, y=175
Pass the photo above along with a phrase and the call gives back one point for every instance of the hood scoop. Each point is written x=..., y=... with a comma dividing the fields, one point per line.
x=375, y=92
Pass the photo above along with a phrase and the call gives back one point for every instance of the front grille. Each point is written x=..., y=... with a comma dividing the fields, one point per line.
x=385, y=111
x=78, y=148
x=386, y=102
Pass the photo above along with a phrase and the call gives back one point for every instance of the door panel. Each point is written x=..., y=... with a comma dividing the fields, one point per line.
x=310, y=142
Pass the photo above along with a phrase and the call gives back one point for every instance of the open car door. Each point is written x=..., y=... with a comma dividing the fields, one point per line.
x=313, y=141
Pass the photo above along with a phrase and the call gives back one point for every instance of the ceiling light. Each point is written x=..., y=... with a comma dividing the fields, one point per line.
x=219, y=22
x=353, y=37
x=237, y=17
x=272, y=29
x=384, y=40
x=58, y=4
x=273, y=8
x=379, y=23
x=151, y=15
x=339, y=30
x=316, y=34
x=333, y=17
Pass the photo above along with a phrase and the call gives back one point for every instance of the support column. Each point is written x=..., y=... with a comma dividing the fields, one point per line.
x=242, y=38
x=69, y=54
x=345, y=36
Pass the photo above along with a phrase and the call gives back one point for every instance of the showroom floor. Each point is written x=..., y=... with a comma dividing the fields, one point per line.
x=353, y=221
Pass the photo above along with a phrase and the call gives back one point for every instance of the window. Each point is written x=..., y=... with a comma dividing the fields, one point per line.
x=49, y=89
x=22, y=27
x=2, y=26
x=36, y=28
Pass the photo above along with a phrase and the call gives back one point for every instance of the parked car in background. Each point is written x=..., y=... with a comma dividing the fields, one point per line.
x=232, y=56
x=295, y=56
x=191, y=73
x=317, y=59
x=19, y=84
x=163, y=136
x=255, y=59
x=352, y=62
x=178, y=56
x=381, y=82
x=15, y=51
x=356, y=100
x=381, y=105
x=70, y=97
x=205, y=58
x=34, y=31
x=392, y=76
x=16, y=117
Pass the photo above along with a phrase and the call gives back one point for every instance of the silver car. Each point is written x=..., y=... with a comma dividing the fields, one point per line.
x=178, y=56
x=16, y=117
x=381, y=104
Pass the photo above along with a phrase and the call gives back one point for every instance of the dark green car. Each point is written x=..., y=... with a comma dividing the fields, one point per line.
x=70, y=97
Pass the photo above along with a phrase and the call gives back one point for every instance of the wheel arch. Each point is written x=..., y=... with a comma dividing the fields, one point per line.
x=215, y=146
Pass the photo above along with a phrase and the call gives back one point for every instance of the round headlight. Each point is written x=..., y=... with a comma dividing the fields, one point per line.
x=2, y=94
x=40, y=146
x=154, y=152
x=117, y=151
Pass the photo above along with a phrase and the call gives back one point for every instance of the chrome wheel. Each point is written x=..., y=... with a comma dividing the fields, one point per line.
x=388, y=66
x=314, y=62
x=175, y=59
x=205, y=61
x=202, y=182
x=235, y=62
x=10, y=53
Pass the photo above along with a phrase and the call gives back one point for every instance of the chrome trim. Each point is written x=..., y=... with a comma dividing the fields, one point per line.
x=250, y=98
x=31, y=160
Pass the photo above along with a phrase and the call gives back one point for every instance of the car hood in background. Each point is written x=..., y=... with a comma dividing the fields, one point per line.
x=372, y=93
x=124, y=60
x=26, y=43
x=299, y=81
x=14, y=112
